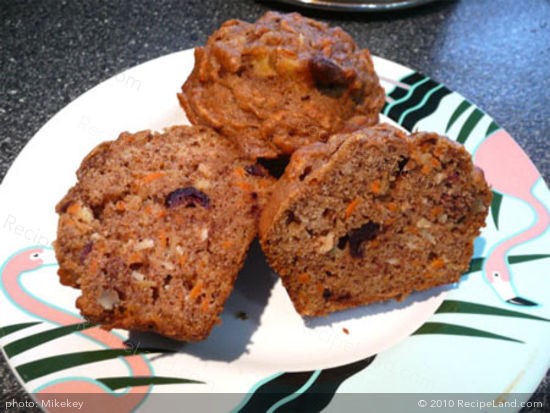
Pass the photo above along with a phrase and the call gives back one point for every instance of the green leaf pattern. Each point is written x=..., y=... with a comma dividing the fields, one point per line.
x=44, y=366
x=495, y=207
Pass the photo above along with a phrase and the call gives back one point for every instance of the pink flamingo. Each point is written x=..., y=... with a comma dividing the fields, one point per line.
x=31, y=259
x=393, y=82
x=510, y=172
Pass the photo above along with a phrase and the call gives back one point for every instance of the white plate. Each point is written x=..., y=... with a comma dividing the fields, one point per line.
x=262, y=343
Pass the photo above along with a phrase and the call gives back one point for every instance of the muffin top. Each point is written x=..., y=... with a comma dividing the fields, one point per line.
x=280, y=83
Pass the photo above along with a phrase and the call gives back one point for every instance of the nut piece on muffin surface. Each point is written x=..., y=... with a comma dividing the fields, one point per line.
x=373, y=215
x=156, y=229
x=280, y=83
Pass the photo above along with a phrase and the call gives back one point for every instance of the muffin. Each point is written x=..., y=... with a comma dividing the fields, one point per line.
x=280, y=83
x=156, y=229
x=373, y=215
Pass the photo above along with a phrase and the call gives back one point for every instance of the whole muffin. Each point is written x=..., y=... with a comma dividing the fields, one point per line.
x=373, y=215
x=156, y=229
x=280, y=83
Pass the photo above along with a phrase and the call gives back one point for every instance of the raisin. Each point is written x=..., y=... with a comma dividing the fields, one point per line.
x=85, y=251
x=328, y=74
x=188, y=196
x=342, y=241
x=135, y=266
x=307, y=170
x=255, y=170
x=97, y=210
x=358, y=236
x=154, y=293
x=326, y=293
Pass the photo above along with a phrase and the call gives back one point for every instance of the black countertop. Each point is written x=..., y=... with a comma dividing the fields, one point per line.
x=494, y=52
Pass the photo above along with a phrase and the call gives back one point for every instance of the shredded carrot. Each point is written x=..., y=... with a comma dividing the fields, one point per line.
x=264, y=183
x=245, y=186
x=182, y=260
x=436, y=211
x=73, y=208
x=135, y=257
x=392, y=206
x=152, y=176
x=163, y=238
x=437, y=263
x=120, y=206
x=158, y=212
x=426, y=169
x=374, y=243
x=205, y=306
x=227, y=244
x=196, y=290
x=239, y=171
x=435, y=163
x=94, y=265
x=351, y=207
x=375, y=186
x=201, y=266
x=304, y=277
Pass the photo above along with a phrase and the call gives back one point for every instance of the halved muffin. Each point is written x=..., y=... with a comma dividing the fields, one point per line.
x=156, y=229
x=373, y=215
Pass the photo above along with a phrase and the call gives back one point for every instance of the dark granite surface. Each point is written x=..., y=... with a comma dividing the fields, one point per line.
x=494, y=52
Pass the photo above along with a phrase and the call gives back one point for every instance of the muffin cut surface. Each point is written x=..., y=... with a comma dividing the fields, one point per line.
x=157, y=228
x=373, y=215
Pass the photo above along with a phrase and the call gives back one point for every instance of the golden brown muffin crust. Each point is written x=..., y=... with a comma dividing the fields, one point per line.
x=280, y=83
